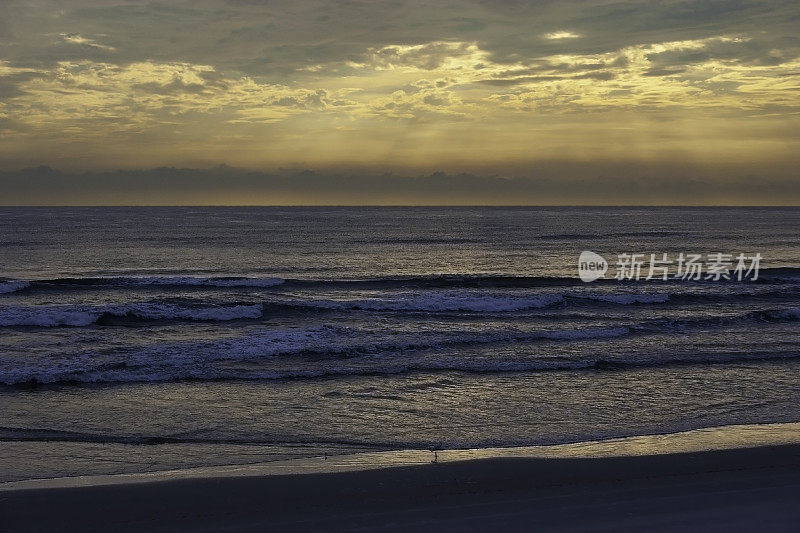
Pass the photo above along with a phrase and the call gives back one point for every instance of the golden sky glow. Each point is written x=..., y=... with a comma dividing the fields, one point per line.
x=457, y=86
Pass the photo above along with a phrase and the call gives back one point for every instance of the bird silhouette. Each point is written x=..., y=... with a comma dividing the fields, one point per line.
x=435, y=449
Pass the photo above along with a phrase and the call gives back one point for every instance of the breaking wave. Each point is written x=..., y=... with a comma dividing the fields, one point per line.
x=7, y=287
x=76, y=316
x=328, y=348
x=455, y=281
x=479, y=366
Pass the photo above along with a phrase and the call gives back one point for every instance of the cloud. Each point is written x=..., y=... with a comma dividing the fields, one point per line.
x=558, y=35
x=74, y=38
x=419, y=83
x=452, y=80
x=419, y=104
x=427, y=56
x=94, y=96
x=647, y=76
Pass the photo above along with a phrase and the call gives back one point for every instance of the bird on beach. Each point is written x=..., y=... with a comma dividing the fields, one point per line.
x=435, y=449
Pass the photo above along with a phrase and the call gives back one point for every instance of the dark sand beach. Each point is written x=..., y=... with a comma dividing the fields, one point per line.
x=728, y=490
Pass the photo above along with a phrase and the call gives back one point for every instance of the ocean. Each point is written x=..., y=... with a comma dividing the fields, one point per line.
x=153, y=338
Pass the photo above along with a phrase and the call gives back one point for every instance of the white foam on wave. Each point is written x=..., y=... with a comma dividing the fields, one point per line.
x=477, y=302
x=47, y=316
x=203, y=281
x=443, y=302
x=245, y=282
x=591, y=333
x=625, y=299
x=172, y=312
x=167, y=361
x=243, y=356
x=13, y=286
x=786, y=314
x=190, y=369
x=77, y=316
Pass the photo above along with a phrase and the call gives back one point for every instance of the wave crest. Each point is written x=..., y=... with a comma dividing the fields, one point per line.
x=10, y=286
x=55, y=316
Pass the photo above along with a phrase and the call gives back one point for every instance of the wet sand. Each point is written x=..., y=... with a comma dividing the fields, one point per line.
x=726, y=490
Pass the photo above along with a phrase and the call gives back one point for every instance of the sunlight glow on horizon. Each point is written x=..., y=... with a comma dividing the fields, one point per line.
x=99, y=84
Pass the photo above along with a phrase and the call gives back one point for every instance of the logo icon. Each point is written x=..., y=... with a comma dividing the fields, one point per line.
x=591, y=266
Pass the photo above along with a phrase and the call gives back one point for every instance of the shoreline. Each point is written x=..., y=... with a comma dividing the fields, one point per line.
x=723, y=490
x=712, y=439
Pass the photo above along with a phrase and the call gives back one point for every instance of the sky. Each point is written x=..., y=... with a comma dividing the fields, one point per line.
x=591, y=101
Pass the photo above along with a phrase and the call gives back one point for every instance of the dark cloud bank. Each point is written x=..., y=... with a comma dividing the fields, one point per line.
x=225, y=185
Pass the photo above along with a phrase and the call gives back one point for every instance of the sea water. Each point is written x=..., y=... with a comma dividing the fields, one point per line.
x=139, y=339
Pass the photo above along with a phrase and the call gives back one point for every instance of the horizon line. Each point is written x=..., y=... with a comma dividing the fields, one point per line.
x=402, y=205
